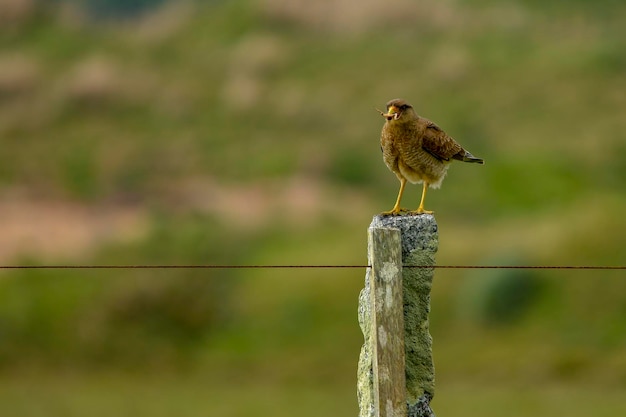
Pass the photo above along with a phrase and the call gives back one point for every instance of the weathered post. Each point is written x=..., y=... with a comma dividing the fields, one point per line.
x=397, y=350
x=387, y=322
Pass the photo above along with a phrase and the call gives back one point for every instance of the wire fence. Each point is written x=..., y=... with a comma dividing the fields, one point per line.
x=564, y=267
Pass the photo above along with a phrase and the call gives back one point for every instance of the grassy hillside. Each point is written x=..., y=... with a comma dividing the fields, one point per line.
x=244, y=132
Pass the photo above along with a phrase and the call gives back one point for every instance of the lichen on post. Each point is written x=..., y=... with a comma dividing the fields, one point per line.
x=419, y=242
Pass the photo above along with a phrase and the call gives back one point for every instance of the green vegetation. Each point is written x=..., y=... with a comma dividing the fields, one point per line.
x=240, y=132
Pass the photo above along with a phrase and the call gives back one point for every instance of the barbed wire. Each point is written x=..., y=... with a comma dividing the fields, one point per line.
x=564, y=267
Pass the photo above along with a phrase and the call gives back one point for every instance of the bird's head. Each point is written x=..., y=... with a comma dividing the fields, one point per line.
x=398, y=109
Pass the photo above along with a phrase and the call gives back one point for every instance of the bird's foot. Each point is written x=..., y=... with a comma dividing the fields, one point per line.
x=396, y=211
x=420, y=211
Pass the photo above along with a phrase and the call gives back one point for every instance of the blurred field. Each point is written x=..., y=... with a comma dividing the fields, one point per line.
x=244, y=132
x=127, y=395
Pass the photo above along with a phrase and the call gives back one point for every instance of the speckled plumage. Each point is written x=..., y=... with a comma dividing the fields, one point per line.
x=417, y=150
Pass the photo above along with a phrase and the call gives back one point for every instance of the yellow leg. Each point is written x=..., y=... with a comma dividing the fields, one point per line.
x=396, y=208
x=420, y=209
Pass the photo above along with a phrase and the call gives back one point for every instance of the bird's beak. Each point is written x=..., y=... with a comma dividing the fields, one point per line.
x=392, y=113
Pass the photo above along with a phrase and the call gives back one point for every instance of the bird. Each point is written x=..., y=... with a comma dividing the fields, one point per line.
x=417, y=150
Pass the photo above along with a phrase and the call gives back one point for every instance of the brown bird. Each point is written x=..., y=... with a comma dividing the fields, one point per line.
x=417, y=150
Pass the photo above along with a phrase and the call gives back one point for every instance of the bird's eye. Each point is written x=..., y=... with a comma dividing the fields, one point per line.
x=404, y=106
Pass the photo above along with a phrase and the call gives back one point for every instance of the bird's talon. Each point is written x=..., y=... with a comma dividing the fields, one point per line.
x=420, y=211
x=395, y=212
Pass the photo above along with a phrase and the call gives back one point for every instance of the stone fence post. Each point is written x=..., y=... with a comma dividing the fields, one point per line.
x=396, y=372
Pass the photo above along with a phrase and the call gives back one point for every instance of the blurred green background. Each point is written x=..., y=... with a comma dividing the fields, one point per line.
x=244, y=132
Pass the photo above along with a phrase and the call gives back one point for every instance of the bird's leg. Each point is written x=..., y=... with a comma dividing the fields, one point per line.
x=396, y=208
x=420, y=209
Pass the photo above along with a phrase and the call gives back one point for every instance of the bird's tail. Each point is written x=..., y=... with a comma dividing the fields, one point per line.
x=468, y=157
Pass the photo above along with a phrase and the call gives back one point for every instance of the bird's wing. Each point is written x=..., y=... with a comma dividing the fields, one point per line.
x=437, y=143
